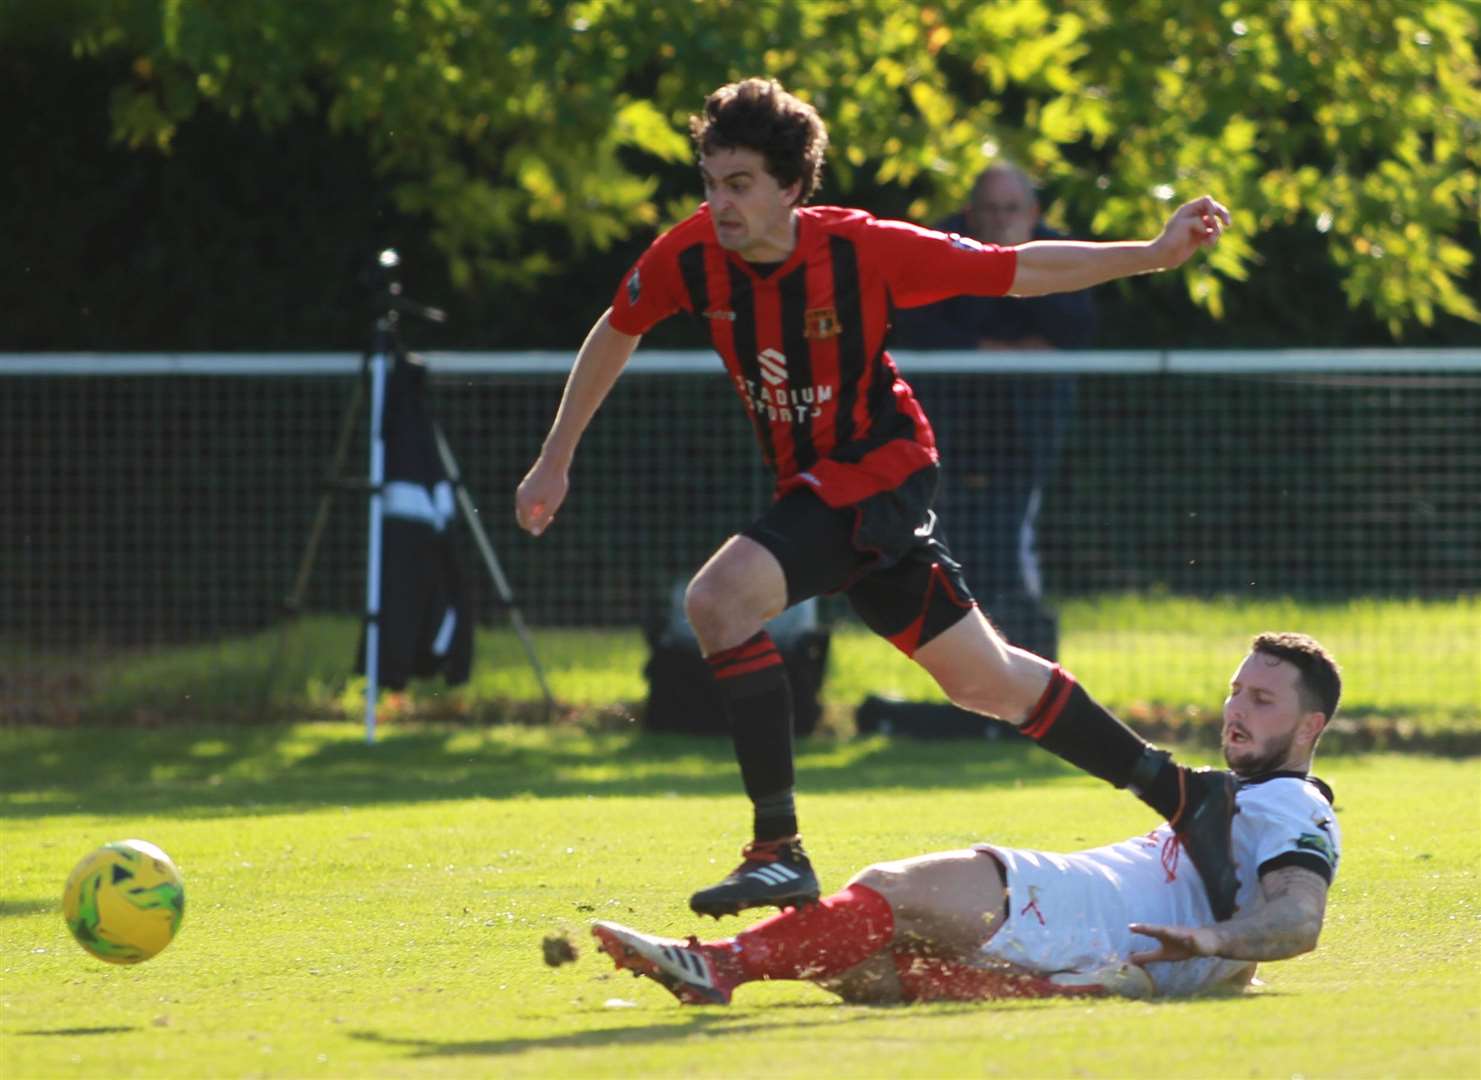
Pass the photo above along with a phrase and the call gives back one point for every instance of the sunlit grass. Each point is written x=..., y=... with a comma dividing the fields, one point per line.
x=378, y=911
x=1414, y=661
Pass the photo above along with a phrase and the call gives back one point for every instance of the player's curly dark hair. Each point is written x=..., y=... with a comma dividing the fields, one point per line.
x=1320, y=684
x=758, y=114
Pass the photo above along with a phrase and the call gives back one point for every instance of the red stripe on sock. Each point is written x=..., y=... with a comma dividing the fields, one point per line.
x=770, y=660
x=758, y=645
x=818, y=940
x=752, y=646
x=1050, y=704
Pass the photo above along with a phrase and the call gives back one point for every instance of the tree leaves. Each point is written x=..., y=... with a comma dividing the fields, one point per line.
x=490, y=115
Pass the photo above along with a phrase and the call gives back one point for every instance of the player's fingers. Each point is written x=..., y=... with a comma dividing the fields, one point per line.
x=1170, y=944
x=539, y=518
x=1164, y=935
x=527, y=512
x=1208, y=206
x=1205, y=229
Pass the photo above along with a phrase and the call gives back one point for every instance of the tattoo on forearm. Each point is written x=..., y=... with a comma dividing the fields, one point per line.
x=1285, y=923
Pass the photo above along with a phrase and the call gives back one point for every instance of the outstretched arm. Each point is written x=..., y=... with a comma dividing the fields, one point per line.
x=1050, y=266
x=603, y=355
x=1287, y=923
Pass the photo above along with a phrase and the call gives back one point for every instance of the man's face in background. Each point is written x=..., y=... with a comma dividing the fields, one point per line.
x=1002, y=209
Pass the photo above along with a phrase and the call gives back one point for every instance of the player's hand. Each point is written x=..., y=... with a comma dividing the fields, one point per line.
x=540, y=495
x=1175, y=942
x=1193, y=225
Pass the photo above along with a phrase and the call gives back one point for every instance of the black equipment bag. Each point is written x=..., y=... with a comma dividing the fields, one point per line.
x=927, y=720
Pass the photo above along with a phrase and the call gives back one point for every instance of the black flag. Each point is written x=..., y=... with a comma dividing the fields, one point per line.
x=426, y=612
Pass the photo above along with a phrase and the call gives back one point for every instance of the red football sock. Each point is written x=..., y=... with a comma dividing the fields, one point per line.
x=931, y=978
x=812, y=942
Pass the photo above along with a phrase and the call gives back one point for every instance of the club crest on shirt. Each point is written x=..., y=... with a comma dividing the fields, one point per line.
x=634, y=287
x=1317, y=844
x=818, y=323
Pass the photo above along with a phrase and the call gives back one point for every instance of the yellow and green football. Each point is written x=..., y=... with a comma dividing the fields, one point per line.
x=124, y=901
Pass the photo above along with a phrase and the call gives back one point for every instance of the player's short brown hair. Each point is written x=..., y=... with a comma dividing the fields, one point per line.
x=1320, y=682
x=758, y=114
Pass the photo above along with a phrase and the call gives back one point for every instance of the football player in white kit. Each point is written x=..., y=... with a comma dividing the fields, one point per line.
x=1131, y=918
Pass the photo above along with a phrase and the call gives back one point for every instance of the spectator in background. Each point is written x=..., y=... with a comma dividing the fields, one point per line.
x=998, y=466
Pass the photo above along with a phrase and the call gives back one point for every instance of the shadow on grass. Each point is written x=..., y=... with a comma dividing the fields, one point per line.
x=114, y=1030
x=688, y=1024
x=236, y=770
x=706, y=1023
x=11, y=908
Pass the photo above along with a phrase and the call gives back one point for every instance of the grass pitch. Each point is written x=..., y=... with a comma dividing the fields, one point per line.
x=378, y=911
x=1157, y=660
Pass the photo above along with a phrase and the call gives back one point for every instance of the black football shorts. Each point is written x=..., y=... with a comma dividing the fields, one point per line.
x=886, y=554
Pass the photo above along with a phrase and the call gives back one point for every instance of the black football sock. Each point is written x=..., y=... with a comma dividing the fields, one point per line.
x=1070, y=723
x=775, y=815
x=757, y=695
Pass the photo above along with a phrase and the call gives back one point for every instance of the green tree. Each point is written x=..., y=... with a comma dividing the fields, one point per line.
x=496, y=118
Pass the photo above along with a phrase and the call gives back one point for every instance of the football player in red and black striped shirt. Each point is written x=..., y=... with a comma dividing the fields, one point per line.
x=798, y=300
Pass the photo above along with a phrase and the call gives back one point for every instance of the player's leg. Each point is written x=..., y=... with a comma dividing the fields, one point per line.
x=876, y=981
x=951, y=902
x=739, y=588
x=815, y=942
x=946, y=906
x=923, y=606
x=981, y=672
x=921, y=975
x=797, y=549
x=947, y=902
x=727, y=603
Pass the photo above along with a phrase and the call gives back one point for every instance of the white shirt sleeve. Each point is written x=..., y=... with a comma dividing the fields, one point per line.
x=1287, y=822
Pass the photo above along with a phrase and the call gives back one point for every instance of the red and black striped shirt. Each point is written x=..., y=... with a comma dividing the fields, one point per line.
x=805, y=343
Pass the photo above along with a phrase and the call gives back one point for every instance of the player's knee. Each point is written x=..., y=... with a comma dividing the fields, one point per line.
x=904, y=883
x=888, y=879
x=708, y=606
x=699, y=600
x=725, y=608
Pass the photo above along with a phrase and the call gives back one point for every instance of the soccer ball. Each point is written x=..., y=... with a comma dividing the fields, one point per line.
x=123, y=903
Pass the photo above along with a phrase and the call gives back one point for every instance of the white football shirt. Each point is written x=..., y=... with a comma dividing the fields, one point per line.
x=1070, y=912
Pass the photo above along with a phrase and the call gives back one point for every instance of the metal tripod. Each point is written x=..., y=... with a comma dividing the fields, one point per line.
x=385, y=346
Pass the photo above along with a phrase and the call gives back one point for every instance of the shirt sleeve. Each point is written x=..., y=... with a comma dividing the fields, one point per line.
x=1291, y=826
x=922, y=266
x=650, y=291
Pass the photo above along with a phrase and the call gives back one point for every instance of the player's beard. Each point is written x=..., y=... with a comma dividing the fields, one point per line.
x=1253, y=760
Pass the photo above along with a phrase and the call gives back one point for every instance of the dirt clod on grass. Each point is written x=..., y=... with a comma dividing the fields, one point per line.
x=558, y=949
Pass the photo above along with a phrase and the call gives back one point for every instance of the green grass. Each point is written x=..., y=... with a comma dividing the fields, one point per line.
x=1410, y=666
x=378, y=910
x=1401, y=658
